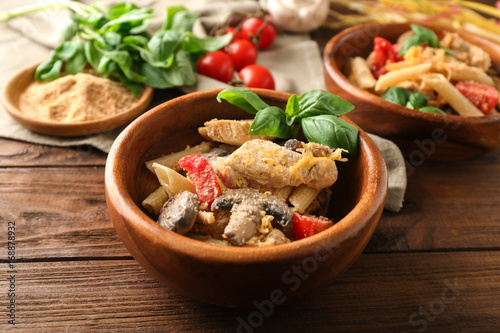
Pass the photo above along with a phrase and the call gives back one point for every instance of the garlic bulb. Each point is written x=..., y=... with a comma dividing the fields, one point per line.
x=297, y=15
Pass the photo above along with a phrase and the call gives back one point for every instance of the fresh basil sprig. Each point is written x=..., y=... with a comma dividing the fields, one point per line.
x=404, y=97
x=116, y=43
x=420, y=36
x=315, y=112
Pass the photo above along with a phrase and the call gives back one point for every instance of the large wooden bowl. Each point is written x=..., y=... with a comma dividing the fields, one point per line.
x=12, y=100
x=420, y=135
x=231, y=276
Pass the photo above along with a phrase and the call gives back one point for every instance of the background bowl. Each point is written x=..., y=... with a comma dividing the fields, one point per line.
x=234, y=276
x=418, y=134
x=12, y=100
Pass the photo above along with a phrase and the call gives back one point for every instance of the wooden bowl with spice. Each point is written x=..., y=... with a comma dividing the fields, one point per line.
x=73, y=105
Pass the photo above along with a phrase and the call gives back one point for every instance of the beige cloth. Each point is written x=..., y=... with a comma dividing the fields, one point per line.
x=294, y=60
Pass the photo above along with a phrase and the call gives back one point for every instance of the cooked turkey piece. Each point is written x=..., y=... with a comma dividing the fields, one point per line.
x=261, y=163
x=462, y=50
x=232, y=132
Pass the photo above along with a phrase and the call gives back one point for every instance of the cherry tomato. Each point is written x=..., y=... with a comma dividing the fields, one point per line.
x=253, y=26
x=484, y=97
x=237, y=34
x=257, y=76
x=217, y=65
x=242, y=52
x=307, y=225
x=383, y=52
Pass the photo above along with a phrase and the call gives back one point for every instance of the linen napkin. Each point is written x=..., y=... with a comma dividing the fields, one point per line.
x=294, y=60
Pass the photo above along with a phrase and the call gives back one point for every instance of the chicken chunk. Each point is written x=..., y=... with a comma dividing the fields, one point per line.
x=261, y=163
x=464, y=51
x=232, y=132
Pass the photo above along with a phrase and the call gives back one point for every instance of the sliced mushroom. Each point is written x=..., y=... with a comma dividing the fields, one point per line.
x=179, y=212
x=247, y=209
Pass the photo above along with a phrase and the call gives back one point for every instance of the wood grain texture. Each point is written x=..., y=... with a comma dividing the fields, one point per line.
x=17, y=153
x=381, y=292
x=59, y=212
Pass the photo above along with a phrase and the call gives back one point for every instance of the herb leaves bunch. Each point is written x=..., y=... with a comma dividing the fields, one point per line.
x=315, y=112
x=116, y=44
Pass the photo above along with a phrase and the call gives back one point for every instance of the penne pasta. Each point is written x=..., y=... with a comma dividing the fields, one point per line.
x=171, y=160
x=302, y=197
x=172, y=181
x=393, y=78
x=282, y=192
x=462, y=72
x=446, y=90
x=155, y=201
x=361, y=73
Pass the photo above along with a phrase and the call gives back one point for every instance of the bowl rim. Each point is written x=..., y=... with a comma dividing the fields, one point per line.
x=372, y=199
x=332, y=47
x=69, y=129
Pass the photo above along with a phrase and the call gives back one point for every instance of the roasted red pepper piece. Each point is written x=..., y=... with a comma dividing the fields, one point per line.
x=308, y=225
x=203, y=176
x=484, y=97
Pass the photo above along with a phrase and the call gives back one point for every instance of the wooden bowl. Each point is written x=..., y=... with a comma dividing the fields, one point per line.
x=232, y=276
x=420, y=135
x=12, y=100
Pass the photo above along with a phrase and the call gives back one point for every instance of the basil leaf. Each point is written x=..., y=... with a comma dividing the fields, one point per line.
x=44, y=68
x=396, y=95
x=317, y=102
x=68, y=32
x=270, y=121
x=195, y=44
x=65, y=51
x=128, y=20
x=164, y=43
x=244, y=99
x=292, y=109
x=420, y=36
x=78, y=61
x=120, y=9
x=93, y=55
x=331, y=131
x=53, y=73
x=135, y=40
x=431, y=109
x=417, y=100
x=181, y=74
x=170, y=12
x=184, y=20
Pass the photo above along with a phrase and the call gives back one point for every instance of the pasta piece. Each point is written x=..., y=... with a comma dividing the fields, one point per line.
x=393, y=78
x=302, y=197
x=172, y=181
x=404, y=36
x=155, y=200
x=282, y=192
x=361, y=73
x=171, y=160
x=461, y=72
x=446, y=90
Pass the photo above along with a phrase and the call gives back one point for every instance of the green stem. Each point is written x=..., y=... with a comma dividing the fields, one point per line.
x=78, y=8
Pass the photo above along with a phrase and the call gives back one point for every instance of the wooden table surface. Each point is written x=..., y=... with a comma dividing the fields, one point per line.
x=433, y=267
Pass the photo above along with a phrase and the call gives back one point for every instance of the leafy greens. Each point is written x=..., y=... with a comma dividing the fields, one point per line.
x=117, y=44
x=316, y=112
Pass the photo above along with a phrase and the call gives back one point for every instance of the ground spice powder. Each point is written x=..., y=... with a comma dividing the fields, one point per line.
x=78, y=98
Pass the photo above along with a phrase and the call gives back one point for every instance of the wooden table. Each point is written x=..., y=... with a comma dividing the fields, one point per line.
x=433, y=267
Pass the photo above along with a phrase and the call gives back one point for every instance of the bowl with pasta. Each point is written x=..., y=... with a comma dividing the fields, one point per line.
x=431, y=89
x=227, y=218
